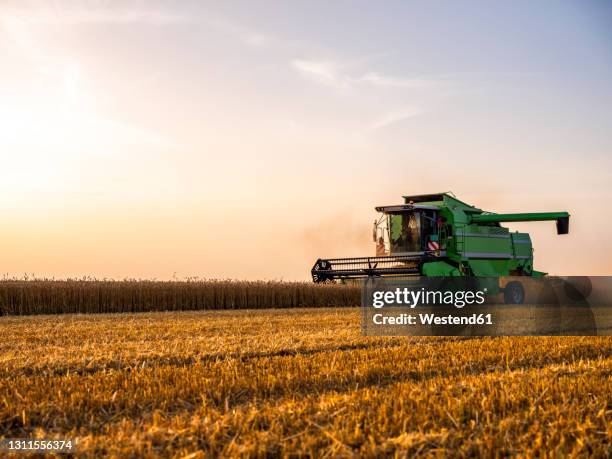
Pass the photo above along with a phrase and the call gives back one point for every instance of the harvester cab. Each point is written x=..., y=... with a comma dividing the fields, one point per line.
x=406, y=229
x=439, y=235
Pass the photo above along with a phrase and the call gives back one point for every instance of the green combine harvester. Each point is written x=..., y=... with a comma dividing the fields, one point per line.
x=439, y=235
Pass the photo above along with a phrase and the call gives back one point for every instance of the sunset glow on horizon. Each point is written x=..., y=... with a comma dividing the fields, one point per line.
x=219, y=140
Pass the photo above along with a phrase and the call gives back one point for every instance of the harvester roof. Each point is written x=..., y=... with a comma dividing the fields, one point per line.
x=436, y=197
x=400, y=208
x=445, y=199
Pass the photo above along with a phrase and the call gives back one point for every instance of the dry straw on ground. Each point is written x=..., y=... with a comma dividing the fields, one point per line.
x=297, y=382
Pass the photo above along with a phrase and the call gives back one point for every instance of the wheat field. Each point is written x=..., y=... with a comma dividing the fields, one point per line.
x=296, y=382
x=90, y=295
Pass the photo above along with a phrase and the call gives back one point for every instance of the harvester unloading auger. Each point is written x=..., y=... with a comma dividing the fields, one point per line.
x=439, y=235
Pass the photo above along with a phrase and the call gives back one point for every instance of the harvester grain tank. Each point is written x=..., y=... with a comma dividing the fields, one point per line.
x=439, y=235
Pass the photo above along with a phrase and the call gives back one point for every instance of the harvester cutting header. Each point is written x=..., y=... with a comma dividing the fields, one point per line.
x=439, y=235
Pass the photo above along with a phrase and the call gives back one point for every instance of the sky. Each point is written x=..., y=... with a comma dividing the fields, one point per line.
x=244, y=140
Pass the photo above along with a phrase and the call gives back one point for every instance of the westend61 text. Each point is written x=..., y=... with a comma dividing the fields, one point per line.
x=432, y=319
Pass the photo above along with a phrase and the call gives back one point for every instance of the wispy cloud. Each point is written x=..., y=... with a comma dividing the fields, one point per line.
x=334, y=74
x=246, y=35
x=256, y=39
x=376, y=79
x=74, y=14
x=394, y=116
x=378, y=92
x=146, y=14
x=326, y=73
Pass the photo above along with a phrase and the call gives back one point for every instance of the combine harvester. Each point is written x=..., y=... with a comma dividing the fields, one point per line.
x=438, y=235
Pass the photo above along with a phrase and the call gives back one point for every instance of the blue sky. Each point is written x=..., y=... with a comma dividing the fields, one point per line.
x=144, y=138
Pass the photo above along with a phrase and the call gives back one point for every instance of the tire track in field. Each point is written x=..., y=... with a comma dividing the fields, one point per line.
x=243, y=357
x=151, y=362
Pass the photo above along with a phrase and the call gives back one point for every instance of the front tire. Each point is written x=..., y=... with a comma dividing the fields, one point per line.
x=514, y=293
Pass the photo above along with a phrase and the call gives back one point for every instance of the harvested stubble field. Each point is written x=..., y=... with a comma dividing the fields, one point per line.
x=297, y=382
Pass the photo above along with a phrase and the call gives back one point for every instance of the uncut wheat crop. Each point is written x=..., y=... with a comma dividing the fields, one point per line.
x=48, y=296
x=297, y=382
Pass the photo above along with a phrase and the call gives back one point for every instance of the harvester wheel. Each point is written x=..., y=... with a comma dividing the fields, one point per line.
x=514, y=293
